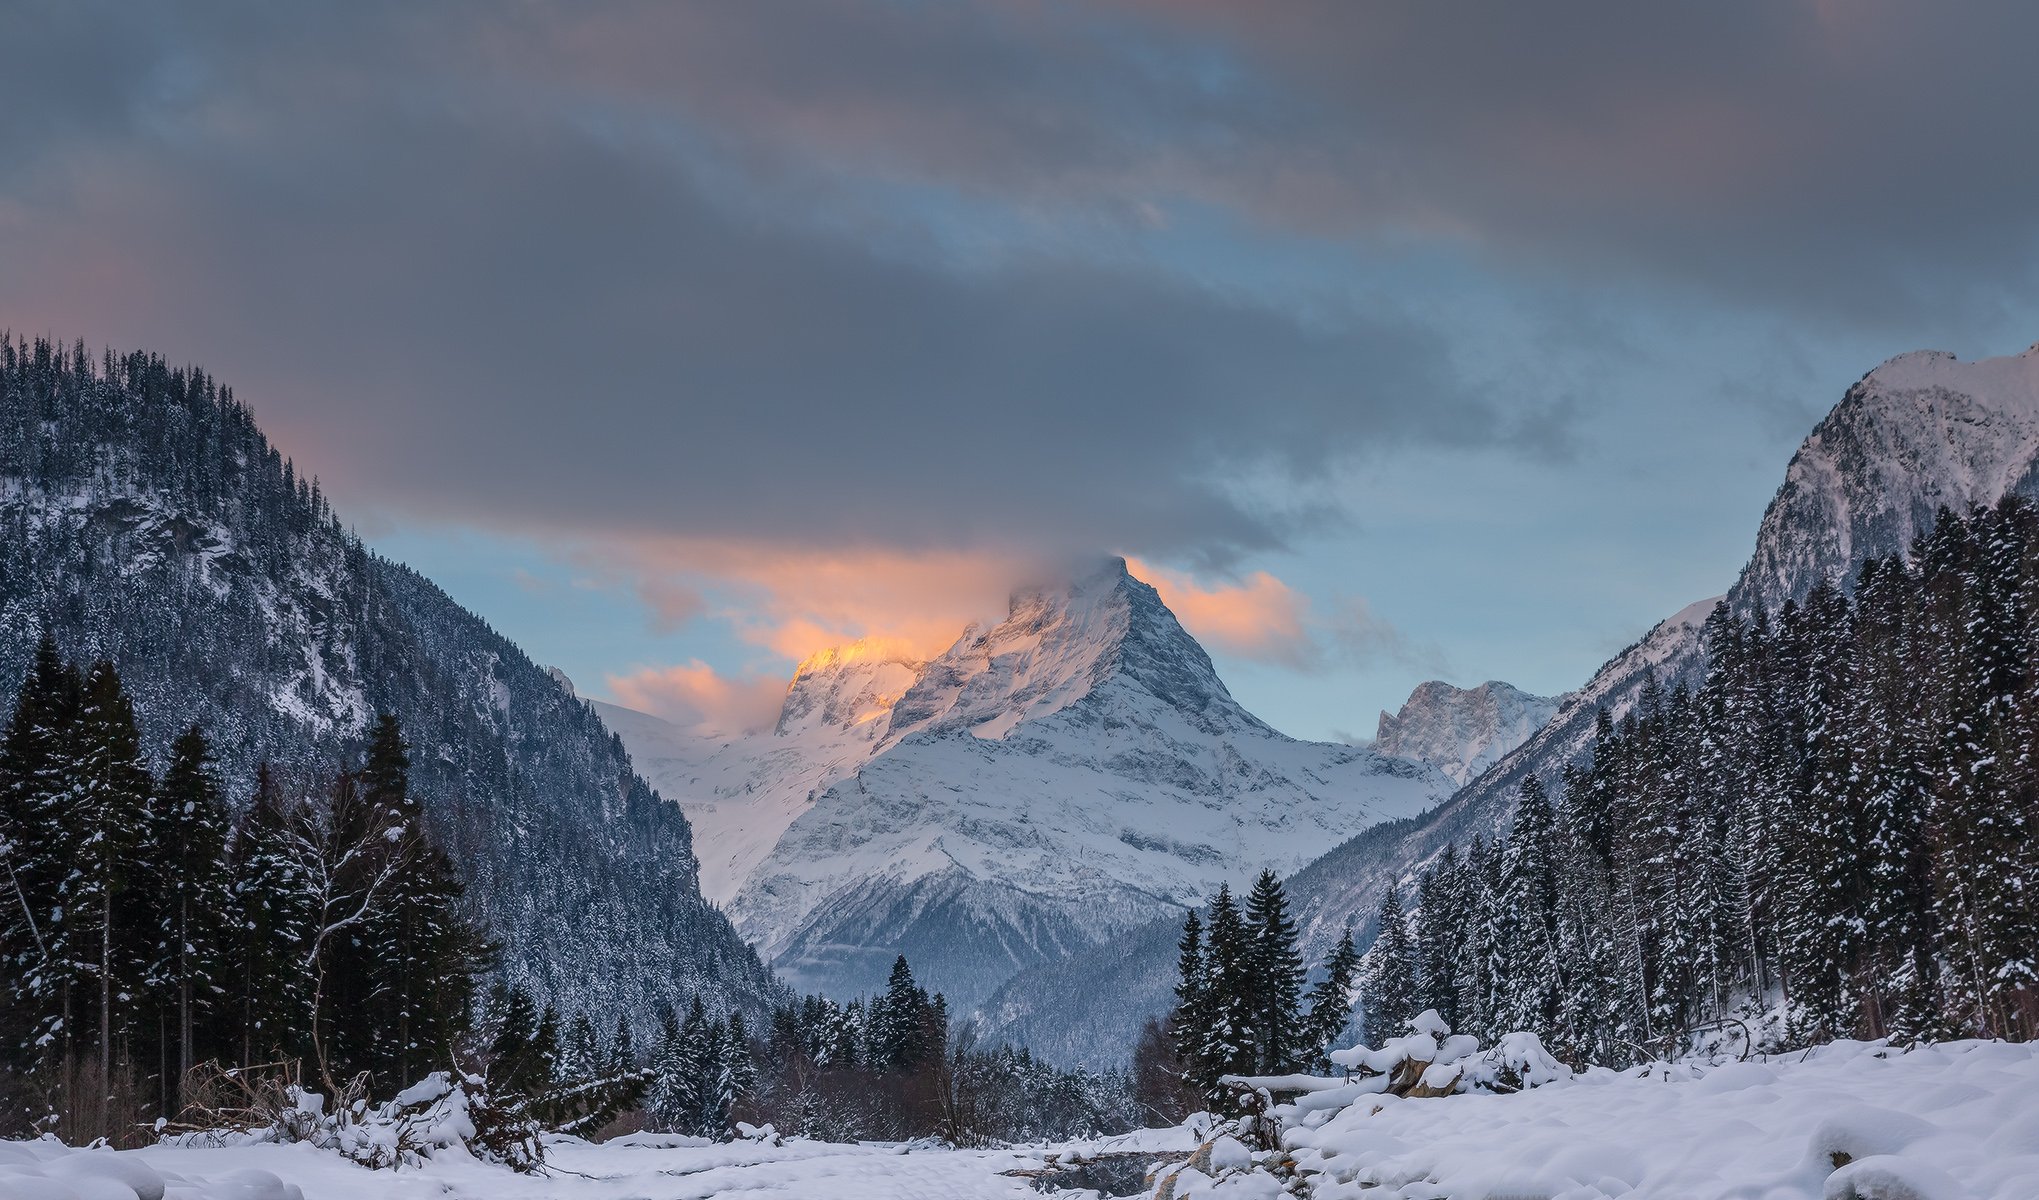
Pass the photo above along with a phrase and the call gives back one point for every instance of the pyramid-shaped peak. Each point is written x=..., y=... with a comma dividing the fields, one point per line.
x=1063, y=640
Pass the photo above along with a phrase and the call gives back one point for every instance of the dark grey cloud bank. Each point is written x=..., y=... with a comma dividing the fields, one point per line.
x=682, y=268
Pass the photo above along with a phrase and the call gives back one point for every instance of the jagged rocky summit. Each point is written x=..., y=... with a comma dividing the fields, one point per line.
x=1462, y=731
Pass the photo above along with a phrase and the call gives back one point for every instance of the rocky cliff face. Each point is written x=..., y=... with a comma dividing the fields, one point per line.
x=1462, y=731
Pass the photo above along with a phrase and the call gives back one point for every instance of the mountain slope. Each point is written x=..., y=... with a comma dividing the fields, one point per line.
x=144, y=518
x=1042, y=786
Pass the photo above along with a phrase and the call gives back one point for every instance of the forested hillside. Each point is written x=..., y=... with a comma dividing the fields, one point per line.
x=1834, y=830
x=144, y=519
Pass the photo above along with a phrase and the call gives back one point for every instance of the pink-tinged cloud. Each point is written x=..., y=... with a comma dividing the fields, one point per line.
x=795, y=600
x=694, y=694
x=1259, y=617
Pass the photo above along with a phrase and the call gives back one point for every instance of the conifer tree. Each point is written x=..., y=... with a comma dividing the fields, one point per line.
x=1189, y=1022
x=579, y=1058
x=272, y=918
x=1227, y=1047
x=36, y=847
x=101, y=946
x=622, y=1048
x=1390, y=982
x=1274, y=979
x=1529, y=913
x=193, y=894
x=1331, y=1002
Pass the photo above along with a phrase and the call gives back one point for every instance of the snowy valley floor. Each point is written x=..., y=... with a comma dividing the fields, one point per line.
x=1953, y=1122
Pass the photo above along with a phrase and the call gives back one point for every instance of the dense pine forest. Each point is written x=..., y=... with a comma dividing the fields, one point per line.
x=1831, y=836
x=147, y=929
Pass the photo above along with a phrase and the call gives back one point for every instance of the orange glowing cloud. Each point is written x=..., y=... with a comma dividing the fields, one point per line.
x=1259, y=617
x=695, y=694
x=794, y=601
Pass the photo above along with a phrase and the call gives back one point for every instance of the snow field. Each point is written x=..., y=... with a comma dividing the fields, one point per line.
x=621, y=1170
x=1851, y=1120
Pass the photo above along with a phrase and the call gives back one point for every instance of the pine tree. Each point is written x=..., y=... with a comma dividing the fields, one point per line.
x=1441, y=934
x=101, y=946
x=1390, y=988
x=622, y=1048
x=36, y=847
x=1191, y=1019
x=1529, y=913
x=739, y=1064
x=423, y=953
x=1274, y=979
x=1331, y=1003
x=579, y=1058
x=269, y=1002
x=1227, y=1047
x=193, y=894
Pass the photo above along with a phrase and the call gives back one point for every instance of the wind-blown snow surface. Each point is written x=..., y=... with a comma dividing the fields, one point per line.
x=1074, y=771
x=1462, y=731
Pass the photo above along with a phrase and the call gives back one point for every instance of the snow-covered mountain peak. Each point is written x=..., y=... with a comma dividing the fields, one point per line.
x=1060, y=643
x=848, y=686
x=1922, y=432
x=2007, y=382
x=1462, y=731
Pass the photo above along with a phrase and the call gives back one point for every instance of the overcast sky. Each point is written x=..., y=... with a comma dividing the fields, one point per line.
x=1394, y=341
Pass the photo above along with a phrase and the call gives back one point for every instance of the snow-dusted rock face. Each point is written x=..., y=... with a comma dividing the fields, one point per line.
x=1462, y=731
x=1073, y=771
x=1921, y=432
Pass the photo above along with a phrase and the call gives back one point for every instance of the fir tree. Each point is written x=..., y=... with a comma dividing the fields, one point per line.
x=1390, y=983
x=1228, y=1043
x=1274, y=980
x=101, y=945
x=193, y=894
x=36, y=846
x=1331, y=1003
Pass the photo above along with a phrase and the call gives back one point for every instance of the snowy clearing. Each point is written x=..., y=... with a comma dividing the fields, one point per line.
x=798, y=1170
x=1952, y=1122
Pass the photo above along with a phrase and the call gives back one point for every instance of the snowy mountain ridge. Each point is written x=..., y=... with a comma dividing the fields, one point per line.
x=1074, y=770
x=1462, y=731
